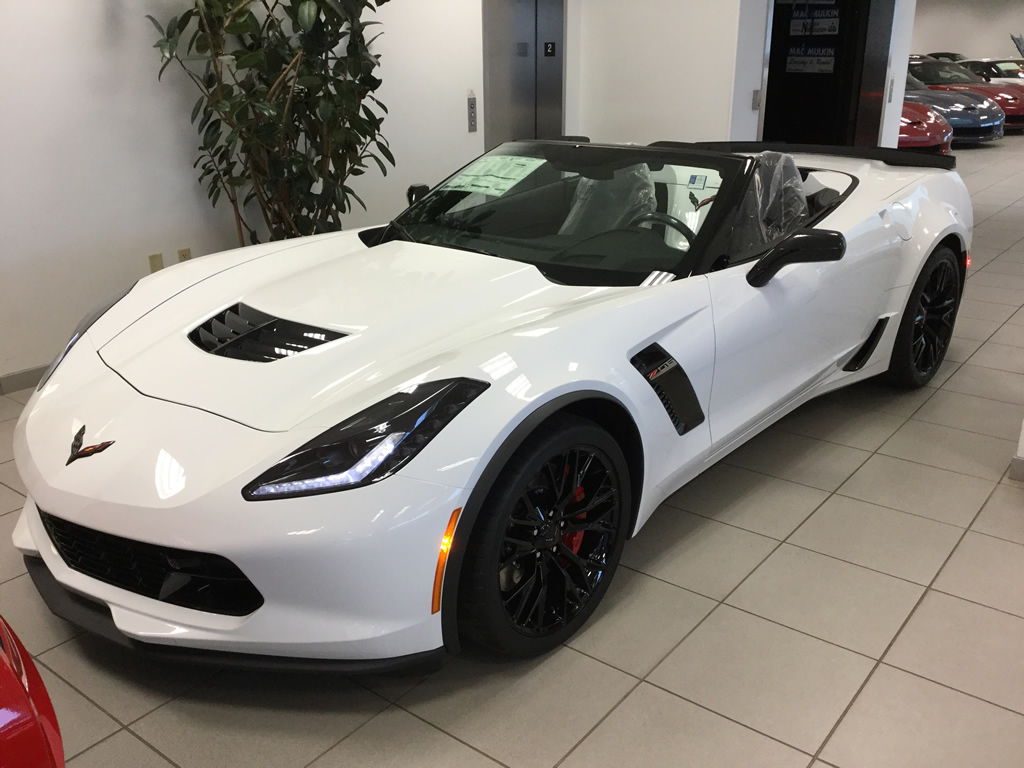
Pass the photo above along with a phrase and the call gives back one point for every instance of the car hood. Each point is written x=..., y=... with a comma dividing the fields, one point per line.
x=406, y=310
x=960, y=108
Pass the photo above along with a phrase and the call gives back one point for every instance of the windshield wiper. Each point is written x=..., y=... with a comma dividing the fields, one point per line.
x=403, y=233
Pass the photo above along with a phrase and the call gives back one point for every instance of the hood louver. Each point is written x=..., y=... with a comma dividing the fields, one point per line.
x=244, y=333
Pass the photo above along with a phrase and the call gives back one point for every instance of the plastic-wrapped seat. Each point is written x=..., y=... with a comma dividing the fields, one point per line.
x=775, y=204
x=601, y=205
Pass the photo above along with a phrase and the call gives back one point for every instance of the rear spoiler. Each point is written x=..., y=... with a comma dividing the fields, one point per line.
x=900, y=157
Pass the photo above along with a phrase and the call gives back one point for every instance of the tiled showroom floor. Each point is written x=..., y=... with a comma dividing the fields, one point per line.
x=848, y=587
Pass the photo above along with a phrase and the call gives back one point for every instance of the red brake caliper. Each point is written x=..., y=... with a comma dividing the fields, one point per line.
x=575, y=539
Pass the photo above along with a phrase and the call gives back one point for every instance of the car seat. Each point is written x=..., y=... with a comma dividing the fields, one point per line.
x=601, y=205
x=774, y=207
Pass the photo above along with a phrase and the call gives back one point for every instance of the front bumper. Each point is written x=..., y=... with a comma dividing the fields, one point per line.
x=344, y=576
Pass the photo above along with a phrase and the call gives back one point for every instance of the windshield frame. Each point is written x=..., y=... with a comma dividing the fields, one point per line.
x=573, y=156
x=921, y=66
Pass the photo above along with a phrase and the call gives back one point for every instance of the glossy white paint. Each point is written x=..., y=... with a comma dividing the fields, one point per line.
x=350, y=574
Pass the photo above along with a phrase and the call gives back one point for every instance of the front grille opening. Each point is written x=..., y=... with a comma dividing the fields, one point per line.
x=196, y=580
x=244, y=333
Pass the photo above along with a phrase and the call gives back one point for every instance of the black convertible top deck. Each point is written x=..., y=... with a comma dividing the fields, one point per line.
x=897, y=157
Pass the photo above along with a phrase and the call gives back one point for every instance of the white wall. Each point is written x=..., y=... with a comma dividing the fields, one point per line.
x=751, y=62
x=431, y=56
x=96, y=167
x=653, y=69
x=96, y=171
x=899, y=57
x=977, y=29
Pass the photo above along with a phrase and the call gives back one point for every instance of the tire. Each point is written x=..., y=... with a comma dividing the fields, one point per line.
x=535, y=567
x=927, y=323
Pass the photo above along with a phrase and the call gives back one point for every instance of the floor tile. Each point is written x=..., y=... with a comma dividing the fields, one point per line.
x=882, y=397
x=952, y=449
x=11, y=561
x=988, y=382
x=122, y=750
x=23, y=608
x=9, y=477
x=389, y=686
x=7, y=440
x=1018, y=317
x=978, y=330
x=854, y=427
x=949, y=497
x=1009, y=335
x=983, y=310
x=1014, y=282
x=750, y=500
x=126, y=684
x=245, y=720
x=799, y=459
x=10, y=501
x=988, y=571
x=896, y=543
x=960, y=349
x=1003, y=514
x=518, y=712
x=1002, y=357
x=1000, y=267
x=654, y=729
x=1008, y=296
x=22, y=395
x=396, y=738
x=702, y=555
x=902, y=720
x=777, y=681
x=842, y=603
x=974, y=414
x=9, y=409
x=639, y=620
x=965, y=646
x=81, y=722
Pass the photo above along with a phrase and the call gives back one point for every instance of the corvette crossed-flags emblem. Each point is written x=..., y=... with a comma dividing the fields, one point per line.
x=78, y=452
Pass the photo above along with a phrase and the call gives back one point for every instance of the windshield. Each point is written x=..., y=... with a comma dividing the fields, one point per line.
x=913, y=84
x=583, y=214
x=1011, y=68
x=943, y=73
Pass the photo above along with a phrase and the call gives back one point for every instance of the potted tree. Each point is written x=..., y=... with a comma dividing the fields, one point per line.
x=287, y=111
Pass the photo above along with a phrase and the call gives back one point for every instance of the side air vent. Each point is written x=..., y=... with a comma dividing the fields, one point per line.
x=672, y=386
x=244, y=333
x=862, y=355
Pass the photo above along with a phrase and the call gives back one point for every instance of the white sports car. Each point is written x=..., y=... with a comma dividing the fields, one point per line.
x=358, y=449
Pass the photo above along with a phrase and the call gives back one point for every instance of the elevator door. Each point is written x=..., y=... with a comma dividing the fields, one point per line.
x=523, y=55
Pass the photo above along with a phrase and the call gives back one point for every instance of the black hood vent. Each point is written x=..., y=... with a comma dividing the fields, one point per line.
x=245, y=333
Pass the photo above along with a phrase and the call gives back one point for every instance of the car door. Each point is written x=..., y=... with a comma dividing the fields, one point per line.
x=773, y=343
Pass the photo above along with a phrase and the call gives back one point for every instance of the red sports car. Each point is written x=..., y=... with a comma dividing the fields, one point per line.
x=29, y=737
x=921, y=128
x=947, y=76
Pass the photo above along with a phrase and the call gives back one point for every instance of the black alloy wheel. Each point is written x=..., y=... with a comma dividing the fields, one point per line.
x=547, y=541
x=926, y=327
x=936, y=313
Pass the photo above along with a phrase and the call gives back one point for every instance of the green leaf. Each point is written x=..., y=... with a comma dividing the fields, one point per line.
x=157, y=25
x=185, y=18
x=383, y=149
x=247, y=59
x=211, y=135
x=307, y=14
x=197, y=107
x=309, y=81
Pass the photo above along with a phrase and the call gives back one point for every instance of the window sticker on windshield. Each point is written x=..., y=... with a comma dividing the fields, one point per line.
x=494, y=175
x=697, y=182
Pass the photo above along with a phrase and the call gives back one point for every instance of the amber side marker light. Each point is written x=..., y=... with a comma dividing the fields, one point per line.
x=442, y=560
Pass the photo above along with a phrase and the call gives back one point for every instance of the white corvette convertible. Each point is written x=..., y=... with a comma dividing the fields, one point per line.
x=359, y=449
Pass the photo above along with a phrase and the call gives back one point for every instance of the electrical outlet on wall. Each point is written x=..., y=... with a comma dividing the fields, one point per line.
x=184, y=254
x=156, y=262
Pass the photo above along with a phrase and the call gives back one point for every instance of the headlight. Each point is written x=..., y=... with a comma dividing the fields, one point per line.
x=80, y=330
x=370, y=446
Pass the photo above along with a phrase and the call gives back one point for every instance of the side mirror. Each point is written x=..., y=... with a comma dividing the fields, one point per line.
x=416, y=192
x=802, y=247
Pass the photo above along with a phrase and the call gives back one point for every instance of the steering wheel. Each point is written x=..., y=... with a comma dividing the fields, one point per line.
x=668, y=221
